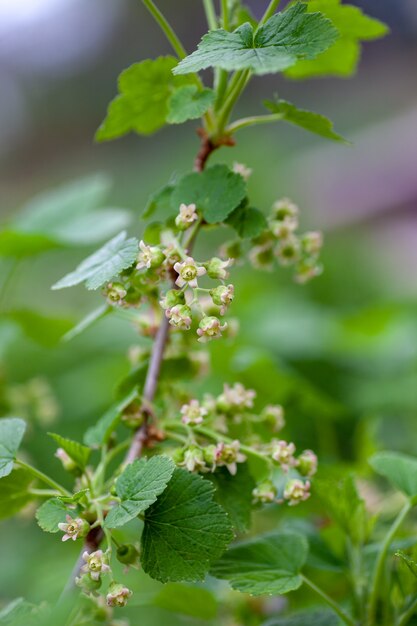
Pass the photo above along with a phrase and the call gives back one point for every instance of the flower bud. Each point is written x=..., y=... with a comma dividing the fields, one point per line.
x=186, y=216
x=222, y=296
x=288, y=251
x=115, y=293
x=264, y=493
x=180, y=316
x=306, y=270
x=149, y=257
x=210, y=328
x=127, y=554
x=283, y=453
x=228, y=454
x=262, y=257
x=307, y=463
x=235, y=398
x=284, y=209
x=172, y=298
x=296, y=491
x=210, y=456
x=67, y=463
x=274, y=415
x=193, y=459
x=312, y=242
x=216, y=268
x=242, y=170
x=88, y=584
x=118, y=595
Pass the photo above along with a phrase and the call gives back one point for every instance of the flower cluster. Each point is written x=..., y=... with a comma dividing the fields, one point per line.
x=96, y=564
x=204, y=459
x=180, y=304
x=281, y=241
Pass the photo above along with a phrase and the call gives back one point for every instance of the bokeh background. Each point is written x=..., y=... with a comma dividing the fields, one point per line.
x=340, y=353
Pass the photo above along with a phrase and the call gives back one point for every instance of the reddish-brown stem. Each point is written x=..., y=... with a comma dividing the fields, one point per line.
x=143, y=435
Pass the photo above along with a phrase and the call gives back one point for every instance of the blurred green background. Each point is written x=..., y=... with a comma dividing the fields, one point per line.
x=340, y=354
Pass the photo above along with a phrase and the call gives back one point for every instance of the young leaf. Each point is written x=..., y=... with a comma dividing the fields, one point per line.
x=185, y=600
x=265, y=565
x=69, y=214
x=100, y=433
x=412, y=565
x=159, y=202
x=399, y=469
x=46, y=331
x=14, y=243
x=138, y=487
x=284, y=39
x=216, y=192
x=14, y=492
x=247, y=222
x=189, y=103
x=115, y=256
x=88, y=321
x=76, y=451
x=51, y=513
x=142, y=106
x=306, y=618
x=341, y=59
x=185, y=530
x=234, y=494
x=313, y=122
x=12, y=430
x=344, y=505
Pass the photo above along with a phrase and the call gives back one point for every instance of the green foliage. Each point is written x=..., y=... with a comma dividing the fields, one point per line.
x=100, y=433
x=76, y=451
x=138, y=487
x=51, y=513
x=216, y=192
x=313, y=122
x=88, y=321
x=341, y=59
x=185, y=530
x=115, y=256
x=410, y=563
x=277, y=45
x=265, y=565
x=399, y=469
x=44, y=330
x=160, y=202
x=345, y=506
x=186, y=600
x=306, y=618
x=66, y=216
x=14, y=493
x=234, y=493
x=189, y=103
x=247, y=222
x=144, y=102
x=12, y=430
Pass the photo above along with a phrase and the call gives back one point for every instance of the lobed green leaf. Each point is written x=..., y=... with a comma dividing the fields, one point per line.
x=247, y=222
x=185, y=530
x=138, y=487
x=277, y=45
x=216, y=192
x=313, y=122
x=76, y=451
x=399, y=469
x=234, y=494
x=342, y=58
x=189, y=103
x=106, y=263
x=14, y=492
x=142, y=105
x=53, y=512
x=265, y=565
x=12, y=430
